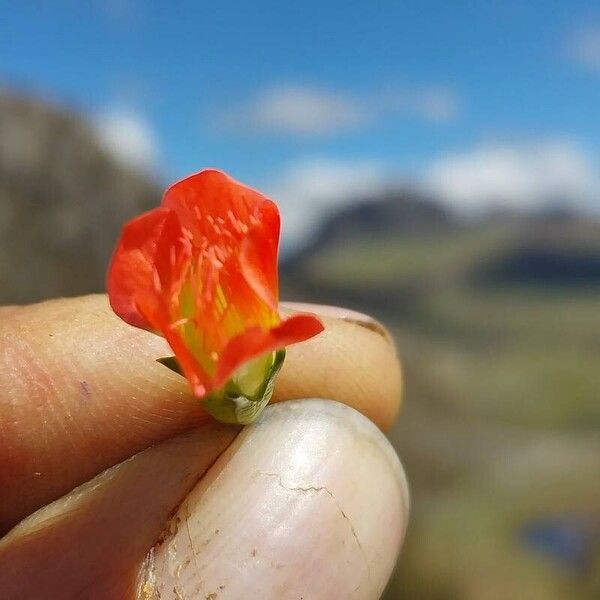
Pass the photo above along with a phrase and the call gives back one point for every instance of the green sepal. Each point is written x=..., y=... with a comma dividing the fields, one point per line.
x=231, y=404
x=171, y=363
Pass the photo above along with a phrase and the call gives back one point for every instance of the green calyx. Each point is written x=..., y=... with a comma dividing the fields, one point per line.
x=243, y=398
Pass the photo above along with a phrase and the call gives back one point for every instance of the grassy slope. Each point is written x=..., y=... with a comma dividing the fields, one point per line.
x=502, y=410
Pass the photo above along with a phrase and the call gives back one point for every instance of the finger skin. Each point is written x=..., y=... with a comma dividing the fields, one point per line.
x=81, y=391
x=90, y=543
x=310, y=502
x=353, y=361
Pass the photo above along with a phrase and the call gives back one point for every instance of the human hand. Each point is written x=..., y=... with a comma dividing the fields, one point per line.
x=311, y=502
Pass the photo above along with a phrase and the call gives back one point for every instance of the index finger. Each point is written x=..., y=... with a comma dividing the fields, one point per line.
x=81, y=391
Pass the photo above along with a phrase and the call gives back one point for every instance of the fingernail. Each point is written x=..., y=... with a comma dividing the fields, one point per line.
x=310, y=502
x=337, y=312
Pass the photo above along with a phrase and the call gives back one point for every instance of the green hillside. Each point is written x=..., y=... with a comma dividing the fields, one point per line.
x=498, y=326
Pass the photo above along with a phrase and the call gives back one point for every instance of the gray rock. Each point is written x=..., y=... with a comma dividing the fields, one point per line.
x=63, y=200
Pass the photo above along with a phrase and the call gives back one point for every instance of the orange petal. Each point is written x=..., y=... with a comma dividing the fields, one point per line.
x=235, y=219
x=171, y=258
x=255, y=341
x=212, y=195
x=200, y=382
x=258, y=256
x=131, y=267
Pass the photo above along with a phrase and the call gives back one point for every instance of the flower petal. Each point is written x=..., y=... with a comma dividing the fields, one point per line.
x=258, y=256
x=145, y=273
x=132, y=265
x=241, y=221
x=199, y=380
x=255, y=341
x=213, y=204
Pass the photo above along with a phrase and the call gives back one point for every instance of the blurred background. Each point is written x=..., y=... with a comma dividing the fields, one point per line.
x=437, y=165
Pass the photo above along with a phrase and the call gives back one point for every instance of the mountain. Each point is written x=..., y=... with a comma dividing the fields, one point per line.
x=393, y=249
x=394, y=213
x=63, y=199
x=498, y=327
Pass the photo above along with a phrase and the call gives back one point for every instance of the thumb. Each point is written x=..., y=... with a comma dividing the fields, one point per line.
x=310, y=502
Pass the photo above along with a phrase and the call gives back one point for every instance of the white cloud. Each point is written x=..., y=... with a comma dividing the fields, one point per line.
x=515, y=175
x=432, y=104
x=584, y=47
x=302, y=110
x=313, y=111
x=437, y=104
x=520, y=176
x=128, y=137
x=310, y=189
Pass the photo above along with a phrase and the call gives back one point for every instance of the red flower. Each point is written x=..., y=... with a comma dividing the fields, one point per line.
x=201, y=270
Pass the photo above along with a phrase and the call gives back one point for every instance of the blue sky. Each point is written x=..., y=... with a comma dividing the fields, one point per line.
x=269, y=90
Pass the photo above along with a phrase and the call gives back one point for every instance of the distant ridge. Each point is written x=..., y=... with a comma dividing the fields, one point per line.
x=394, y=250
x=63, y=200
x=396, y=212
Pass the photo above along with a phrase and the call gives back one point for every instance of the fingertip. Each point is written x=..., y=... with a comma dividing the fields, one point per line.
x=354, y=361
x=310, y=502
